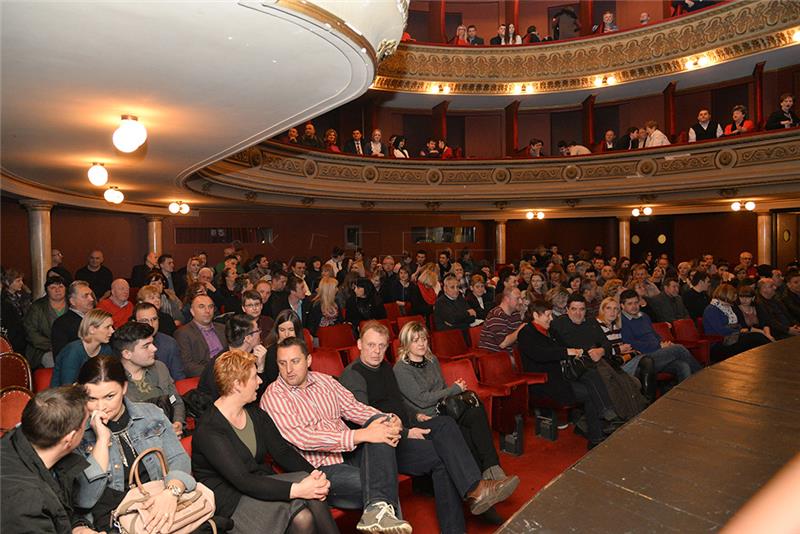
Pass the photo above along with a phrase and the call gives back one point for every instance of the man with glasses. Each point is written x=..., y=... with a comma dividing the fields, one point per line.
x=746, y=261
x=167, y=350
x=252, y=305
x=242, y=333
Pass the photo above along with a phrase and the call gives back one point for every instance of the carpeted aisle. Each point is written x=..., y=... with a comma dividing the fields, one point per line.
x=543, y=460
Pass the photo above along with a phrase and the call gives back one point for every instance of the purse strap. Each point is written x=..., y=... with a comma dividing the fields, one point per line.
x=134, y=472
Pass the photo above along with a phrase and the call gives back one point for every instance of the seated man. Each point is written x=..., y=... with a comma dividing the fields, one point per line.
x=148, y=378
x=503, y=323
x=117, y=303
x=637, y=331
x=773, y=313
x=427, y=445
x=167, y=350
x=308, y=408
x=451, y=311
x=38, y=465
x=667, y=306
x=65, y=329
x=695, y=297
x=201, y=339
x=792, y=297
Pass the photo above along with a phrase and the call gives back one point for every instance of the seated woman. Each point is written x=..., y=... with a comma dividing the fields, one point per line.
x=460, y=38
x=740, y=124
x=574, y=283
x=622, y=354
x=94, y=334
x=401, y=286
x=117, y=432
x=422, y=385
x=227, y=297
x=444, y=149
x=364, y=304
x=746, y=312
x=719, y=319
x=331, y=137
x=476, y=297
x=287, y=324
x=541, y=354
x=537, y=286
x=324, y=310
x=229, y=451
x=399, y=147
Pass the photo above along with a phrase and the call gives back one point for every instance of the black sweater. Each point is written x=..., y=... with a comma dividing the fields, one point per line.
x=541, y=354
x=223, y=463
x=377, y=388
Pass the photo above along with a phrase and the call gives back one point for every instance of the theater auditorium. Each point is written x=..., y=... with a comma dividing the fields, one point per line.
x=395, y=266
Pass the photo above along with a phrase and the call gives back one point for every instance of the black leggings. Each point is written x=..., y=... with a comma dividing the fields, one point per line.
x=478, y=434
x=592, y=392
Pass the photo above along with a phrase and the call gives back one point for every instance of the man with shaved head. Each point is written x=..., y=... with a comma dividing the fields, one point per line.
x=97, y=275
x=117, y=303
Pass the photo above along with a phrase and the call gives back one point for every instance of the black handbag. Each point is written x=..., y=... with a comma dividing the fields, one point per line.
x=455, y=405
x=574, y=368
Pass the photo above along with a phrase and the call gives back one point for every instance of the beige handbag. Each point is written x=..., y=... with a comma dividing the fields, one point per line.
x=194, y=507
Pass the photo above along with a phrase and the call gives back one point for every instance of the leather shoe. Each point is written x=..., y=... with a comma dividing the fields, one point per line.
x=490, y=492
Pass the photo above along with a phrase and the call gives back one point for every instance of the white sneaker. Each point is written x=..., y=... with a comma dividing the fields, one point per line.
x=380, y=517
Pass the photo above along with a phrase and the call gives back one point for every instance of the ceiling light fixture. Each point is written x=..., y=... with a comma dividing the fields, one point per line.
x=608, y=79
x=179, y=207
x=98, y=175
x=736, y=206
x=540, y=215
x=645, y=210
x=113, y=195
x=130, y=135
x=796, y=36
x=529, y=215
x=750, y=205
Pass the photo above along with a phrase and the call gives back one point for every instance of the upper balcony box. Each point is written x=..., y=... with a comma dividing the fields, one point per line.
x=725, y=33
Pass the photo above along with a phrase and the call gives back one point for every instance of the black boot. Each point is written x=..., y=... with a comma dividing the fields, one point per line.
x=646, y=374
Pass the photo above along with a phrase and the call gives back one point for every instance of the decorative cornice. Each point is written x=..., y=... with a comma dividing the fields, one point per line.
x=288, y=175
x=731, y=31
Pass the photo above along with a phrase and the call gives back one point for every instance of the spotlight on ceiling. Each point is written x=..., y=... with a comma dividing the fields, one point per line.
x=540, y=215
x=130, y=135
x=529, y=215
x=98, y=175
x=113, y=195
x=750, y=205
x=178, y=207
x=647, y=210
x=736, y=206
x=635, y=212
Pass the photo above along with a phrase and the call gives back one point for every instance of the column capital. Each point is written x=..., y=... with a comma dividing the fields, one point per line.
x=153, y=218
x=623, y=218
x=501, y=221
x=32, y=204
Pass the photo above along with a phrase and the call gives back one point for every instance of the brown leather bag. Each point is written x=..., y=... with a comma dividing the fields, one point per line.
x=194, y=507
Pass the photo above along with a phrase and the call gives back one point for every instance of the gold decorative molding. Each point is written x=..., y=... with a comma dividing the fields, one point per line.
x=288, y=174
x=731, y=31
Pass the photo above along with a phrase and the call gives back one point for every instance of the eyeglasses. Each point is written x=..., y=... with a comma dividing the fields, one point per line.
x=253, y=305
x=257, y=331
x=147, y=320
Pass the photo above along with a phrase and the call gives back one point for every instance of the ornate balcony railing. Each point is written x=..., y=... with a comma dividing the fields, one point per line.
x=287, y=175
x=731, y=31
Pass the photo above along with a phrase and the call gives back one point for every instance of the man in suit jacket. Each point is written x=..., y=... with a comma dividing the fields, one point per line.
x=297, y=300
x=140, y=272
x=629, y=141
x=472, y=36
x=201, y=339
x=355, y=145
x=65, y=328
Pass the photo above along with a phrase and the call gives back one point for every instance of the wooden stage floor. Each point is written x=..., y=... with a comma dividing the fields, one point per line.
x=688, y=462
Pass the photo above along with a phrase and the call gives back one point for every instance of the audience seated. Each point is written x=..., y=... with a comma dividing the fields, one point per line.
x=38, y=322
x=791, y=298
x=94, y=333
x=65, y=328
x=58, y=267
x=16, y=299
x=695, y=297
x=39, y=467
x=655, y=137
x=720, y=319
x=784, y=117
x=704, y=128
x=431, y=150
x=229, y=451
x=152, y=295
x=97, y=275
x=354, y=145
x=472, y=36
x=499, y=39
x=637, y=331
x=460, y=38
x=451, y=311
x=531, y=36
x=503, y=323
x=310, y=138
x=399, y=147
x=740, y=123
x=376, y=147
x=607, y=25
x=201, y=339
x=148, y=378
x=360, y=464
x=773, y=313
x=117, y=303
x=103, y=484
x=167, y=350
x=287, y=324
x=427, y=445
x=331, y=138
x=667, y=306
x=608, y=144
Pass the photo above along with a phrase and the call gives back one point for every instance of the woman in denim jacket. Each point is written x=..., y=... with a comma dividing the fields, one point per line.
x=118, y=430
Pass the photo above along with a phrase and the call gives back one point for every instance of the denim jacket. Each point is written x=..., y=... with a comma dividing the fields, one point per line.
x=149, y=427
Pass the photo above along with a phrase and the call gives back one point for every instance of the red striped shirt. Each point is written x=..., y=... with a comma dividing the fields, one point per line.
x=310, y=418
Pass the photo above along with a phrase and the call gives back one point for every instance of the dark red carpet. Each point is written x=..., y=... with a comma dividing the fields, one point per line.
x=543, y=460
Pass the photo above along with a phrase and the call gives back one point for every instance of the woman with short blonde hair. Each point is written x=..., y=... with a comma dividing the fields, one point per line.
x=94, y=334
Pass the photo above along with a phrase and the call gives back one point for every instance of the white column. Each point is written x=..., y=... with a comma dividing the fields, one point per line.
x=154, y=242
x=500, y=241
x=40, y=242
x=764, y=238
x=624, y=236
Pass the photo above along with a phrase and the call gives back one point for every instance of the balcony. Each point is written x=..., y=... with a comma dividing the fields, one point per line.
x=684, y=177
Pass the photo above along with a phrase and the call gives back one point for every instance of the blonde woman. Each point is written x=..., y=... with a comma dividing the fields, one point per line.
x=423, y=294
x=93, y=336
x=458, y=270
x=460, y=39
x=324, y=310
x=613, y=288
x=422, y=384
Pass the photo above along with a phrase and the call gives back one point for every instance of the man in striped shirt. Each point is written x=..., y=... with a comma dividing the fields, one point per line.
x=308, y=409
x=503, y=323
